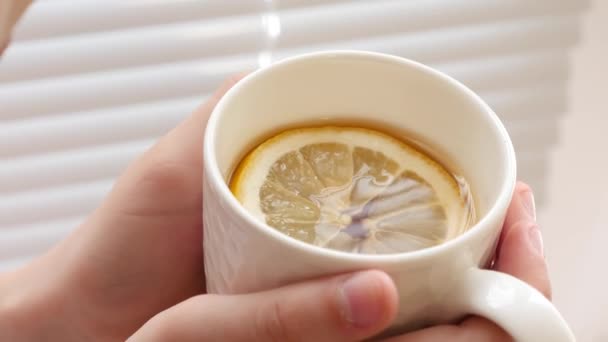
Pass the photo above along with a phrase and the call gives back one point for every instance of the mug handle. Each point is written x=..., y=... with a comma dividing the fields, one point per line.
x=517, y=307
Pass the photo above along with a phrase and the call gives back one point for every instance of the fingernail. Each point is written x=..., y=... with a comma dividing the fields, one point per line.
x=362, y=299
x=528, y=203
x=536, y=239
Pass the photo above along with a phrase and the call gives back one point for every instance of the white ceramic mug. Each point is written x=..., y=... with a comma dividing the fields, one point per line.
x=436, y=285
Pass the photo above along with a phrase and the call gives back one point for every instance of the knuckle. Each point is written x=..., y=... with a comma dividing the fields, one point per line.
x=272, y=324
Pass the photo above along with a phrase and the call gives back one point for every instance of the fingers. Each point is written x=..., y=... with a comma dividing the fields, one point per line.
x=343, y=308
x=521, y=249
x=474, y=329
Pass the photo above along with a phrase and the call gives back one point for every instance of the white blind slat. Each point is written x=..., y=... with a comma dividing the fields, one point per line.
x=74, y=166
x=47, y=19
x=103, y=126
x=135, y=47
x=198, y=40
x=466, y=41
x=344, y=21
x=509, y=71
x=52, y=204
x=115, y=88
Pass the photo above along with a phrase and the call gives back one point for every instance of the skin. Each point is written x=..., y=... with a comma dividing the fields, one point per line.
x=134, y=270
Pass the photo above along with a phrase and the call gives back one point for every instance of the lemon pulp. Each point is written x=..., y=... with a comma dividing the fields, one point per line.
x=352, y=189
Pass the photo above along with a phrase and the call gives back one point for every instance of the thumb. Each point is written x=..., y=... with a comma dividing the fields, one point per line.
x=343, y=308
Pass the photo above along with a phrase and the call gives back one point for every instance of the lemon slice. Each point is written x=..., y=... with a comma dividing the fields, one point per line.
x=351, y=189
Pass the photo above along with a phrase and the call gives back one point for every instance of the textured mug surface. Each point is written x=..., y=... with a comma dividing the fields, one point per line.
x=437, y=284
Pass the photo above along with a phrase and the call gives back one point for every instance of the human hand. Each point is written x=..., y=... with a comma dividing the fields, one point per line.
x=138, y=258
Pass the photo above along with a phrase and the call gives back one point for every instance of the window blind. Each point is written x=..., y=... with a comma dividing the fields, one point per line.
x=87, y=85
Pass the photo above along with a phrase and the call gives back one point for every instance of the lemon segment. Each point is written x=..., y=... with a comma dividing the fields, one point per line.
x=351, y=189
